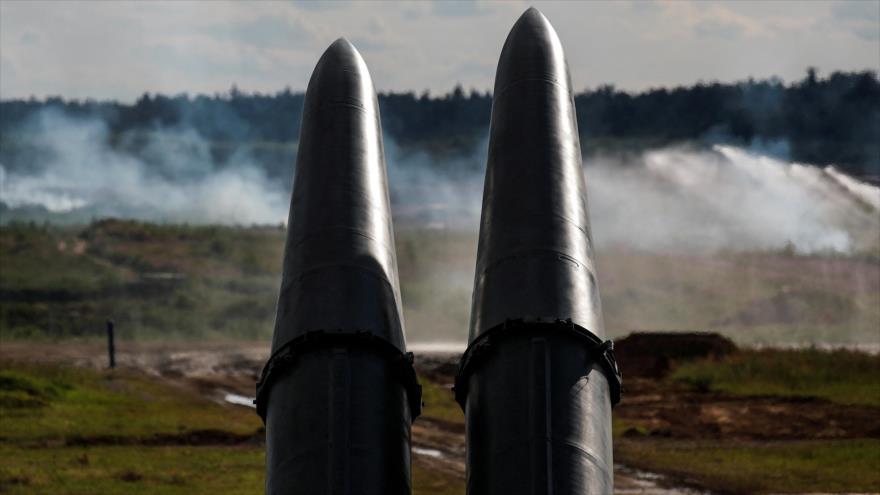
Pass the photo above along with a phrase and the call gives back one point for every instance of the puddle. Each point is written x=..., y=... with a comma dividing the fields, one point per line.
x=436, y=347
x=239, y=400
x=634, y=481
x=436, y=454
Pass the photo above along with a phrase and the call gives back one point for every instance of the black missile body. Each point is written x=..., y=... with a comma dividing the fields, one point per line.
x=338, y=393
x=537, y=381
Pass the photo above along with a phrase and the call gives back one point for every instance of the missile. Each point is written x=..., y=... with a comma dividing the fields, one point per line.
x=538, y=379
x=339, y=393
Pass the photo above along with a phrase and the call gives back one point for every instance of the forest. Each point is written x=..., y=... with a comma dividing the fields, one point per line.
x=830, y=120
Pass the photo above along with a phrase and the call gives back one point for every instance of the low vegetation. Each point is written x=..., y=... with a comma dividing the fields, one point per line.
x=438, y=402
x=71, y=431
x=155, y=281
x=844, y=377
x=843, y=466
x=62, y=405
x=68, y=430
x=161, y=470
x=166, y=282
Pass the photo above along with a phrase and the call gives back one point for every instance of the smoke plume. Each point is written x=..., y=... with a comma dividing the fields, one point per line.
x=671, y=199
x=172, y=177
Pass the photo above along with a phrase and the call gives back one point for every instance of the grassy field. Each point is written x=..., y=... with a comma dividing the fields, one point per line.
x=439, y=403
x=50, y=404
x=844, y=466
x=161, y=282
x=132, y=469
x=160, y=470
x=198, y=282
x=78, y=431
x=740, y=462
x=844, y=377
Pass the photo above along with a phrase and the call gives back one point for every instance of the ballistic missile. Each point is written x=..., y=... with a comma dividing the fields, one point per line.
x=538, y=379
x=338, y=393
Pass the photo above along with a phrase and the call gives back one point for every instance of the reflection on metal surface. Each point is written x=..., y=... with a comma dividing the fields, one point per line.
x=338, y=393
x=533, y=382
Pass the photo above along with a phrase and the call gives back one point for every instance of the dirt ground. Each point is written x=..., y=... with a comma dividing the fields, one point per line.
x=661, y=409
x=677, y=412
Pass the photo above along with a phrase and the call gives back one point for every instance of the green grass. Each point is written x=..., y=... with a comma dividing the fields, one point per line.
x=43, y=407
x=439, y=402
x=132, y=470
x=54, y=403
x=840, y=376
x=782, y=467
x=428, y=482
x=45, y=260
x=753, y=298
x=64, y=282
x=158, y=470
x=154, y=281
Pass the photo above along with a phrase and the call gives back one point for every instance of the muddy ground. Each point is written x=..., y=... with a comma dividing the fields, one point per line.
x=661, y=409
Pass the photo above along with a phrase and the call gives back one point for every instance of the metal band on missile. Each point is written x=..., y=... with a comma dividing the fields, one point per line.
x=538, y=380
x=338, y=394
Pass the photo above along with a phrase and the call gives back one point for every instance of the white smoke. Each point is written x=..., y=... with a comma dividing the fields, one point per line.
x=678, y=199
x=865, y=192
x=172, y=178
x=433, y=192
x=671, y=199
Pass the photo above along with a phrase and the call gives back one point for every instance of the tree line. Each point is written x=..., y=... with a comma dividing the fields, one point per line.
x=816, y=120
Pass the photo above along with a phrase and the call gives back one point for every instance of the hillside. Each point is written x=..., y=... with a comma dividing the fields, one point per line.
x=160, y=282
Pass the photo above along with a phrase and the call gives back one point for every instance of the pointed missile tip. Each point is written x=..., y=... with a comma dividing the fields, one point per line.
x=342, y=44
x=532, y=51
x=534, y=21
x=342, y=68
x=341, y=49
x=532, y=11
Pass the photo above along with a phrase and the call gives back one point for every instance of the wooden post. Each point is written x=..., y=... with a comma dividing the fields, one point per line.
x=111, y=350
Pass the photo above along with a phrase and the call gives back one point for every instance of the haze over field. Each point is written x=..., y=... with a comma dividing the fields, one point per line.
x=744, y=202
x=677, y=199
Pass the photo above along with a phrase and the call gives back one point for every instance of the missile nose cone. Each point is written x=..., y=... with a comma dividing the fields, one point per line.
x=342, y=43
x=532, y=51
x=341, y=54
x=535, y=255
x=536, y=356
x=342, y=76
x=338, y=393
x=340, y=268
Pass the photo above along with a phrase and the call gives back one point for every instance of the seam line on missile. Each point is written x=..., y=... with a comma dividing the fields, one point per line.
x=564, y=218
x=534, y=253
x=589, y=455
x=381, y=275
x=551, y=81
x=358, y=232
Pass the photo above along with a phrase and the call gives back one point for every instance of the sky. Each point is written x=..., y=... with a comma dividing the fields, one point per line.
x=119, y=50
